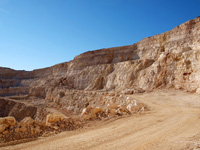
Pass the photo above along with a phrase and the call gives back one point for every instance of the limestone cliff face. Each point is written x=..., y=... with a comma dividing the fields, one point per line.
x=171, y=59
x=177, y=56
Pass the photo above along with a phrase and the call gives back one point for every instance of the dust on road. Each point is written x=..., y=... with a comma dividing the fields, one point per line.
x=173, y=123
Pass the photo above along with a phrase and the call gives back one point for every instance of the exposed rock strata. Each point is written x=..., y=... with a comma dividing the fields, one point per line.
x=170, y=59
x=95, y=83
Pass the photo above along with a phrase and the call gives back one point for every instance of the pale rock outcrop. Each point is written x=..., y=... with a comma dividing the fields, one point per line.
x=29, y=129
x=129, y=106
x=53, y=118
x=122, y=110
x=170, y=59
x=92, y=112
x=9, y=121
x=6, y=122
x=198, y=91
x=86, y=111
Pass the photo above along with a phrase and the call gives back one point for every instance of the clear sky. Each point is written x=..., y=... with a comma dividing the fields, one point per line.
x=41, y=33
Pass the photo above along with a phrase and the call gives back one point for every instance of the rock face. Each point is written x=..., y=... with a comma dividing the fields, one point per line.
x=16, y=109
x=95, y=83
x=170, y=59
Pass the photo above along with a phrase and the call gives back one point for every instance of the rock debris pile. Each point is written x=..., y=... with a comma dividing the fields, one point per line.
x=28, y=129
x=13, y=132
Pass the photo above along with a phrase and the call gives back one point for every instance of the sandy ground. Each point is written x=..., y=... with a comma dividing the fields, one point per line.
x=173, y=123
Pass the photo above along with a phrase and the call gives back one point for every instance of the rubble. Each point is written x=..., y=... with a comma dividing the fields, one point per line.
x=53, y=118
x=113, y=109
x=29, y=129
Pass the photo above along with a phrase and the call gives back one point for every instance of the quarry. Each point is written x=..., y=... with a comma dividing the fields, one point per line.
x=141, y=96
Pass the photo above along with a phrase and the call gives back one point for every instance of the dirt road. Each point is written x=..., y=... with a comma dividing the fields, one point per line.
x=173, y=123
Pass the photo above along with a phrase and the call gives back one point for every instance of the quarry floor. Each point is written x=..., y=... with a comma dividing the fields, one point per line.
x=172, y=123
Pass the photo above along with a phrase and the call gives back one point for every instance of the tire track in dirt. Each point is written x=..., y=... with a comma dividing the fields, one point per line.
x=174, y=118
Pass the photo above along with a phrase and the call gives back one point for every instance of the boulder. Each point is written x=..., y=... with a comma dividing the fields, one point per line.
x=135, y=107
x=122, y=109
x=9, y=121
x=6, y=122
x=38, y=130
x=39, y=123
x=53, y=118
x=27, y=121
x=23, y=129
x=140, y=107
x=87, y=111
x=97, y=110
x=198, y=91
x=92, y=113
x=130, y=107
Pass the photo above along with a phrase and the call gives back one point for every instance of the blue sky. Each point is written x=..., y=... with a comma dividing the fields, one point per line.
x=41, y=33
